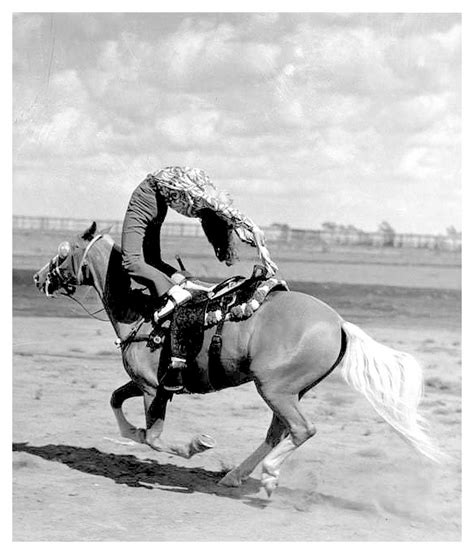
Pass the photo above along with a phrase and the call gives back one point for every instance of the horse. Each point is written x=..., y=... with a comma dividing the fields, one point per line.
x=288, y=346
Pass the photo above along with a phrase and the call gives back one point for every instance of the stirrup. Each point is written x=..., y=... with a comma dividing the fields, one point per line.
x=176, y=376
x=177, y=386
x=174, y=388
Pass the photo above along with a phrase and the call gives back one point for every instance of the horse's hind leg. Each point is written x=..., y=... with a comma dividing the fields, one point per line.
x=275, y=433
x=300, y=430
x=127, y=430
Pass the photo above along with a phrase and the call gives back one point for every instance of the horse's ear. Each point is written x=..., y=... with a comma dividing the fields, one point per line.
x=89, y=233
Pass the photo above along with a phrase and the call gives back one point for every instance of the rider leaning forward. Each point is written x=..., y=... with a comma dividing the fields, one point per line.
x=190, y=192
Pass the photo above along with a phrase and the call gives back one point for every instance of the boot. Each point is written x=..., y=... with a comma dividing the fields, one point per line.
x=174, y=377
x=175, y=297
x=194, y=286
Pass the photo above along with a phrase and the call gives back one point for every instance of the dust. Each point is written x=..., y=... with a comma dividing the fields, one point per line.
x=409, y=492
x=406, y=488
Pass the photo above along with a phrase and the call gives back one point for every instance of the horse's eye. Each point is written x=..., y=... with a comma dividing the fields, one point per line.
x=64, y=249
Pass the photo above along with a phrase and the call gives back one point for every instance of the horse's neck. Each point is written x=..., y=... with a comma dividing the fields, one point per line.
x=113, y=286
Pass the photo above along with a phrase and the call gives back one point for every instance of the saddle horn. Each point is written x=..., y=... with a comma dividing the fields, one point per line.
x=180, y=262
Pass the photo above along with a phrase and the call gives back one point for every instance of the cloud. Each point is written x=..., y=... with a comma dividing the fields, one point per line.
x=430, y=63
x=201, y=55
x=267, y=103
x=26, y=29
x=191, y=128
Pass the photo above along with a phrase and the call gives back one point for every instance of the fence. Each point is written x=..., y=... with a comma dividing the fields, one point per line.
x=29, y=223
x=273, y=233
x=338, y=237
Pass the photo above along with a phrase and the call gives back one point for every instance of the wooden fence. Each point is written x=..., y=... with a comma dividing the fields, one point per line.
x=273, y=233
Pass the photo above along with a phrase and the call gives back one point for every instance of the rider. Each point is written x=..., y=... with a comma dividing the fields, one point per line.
x=190, y=192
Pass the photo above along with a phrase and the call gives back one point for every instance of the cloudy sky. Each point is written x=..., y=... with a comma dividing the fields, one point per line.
x=303, y=118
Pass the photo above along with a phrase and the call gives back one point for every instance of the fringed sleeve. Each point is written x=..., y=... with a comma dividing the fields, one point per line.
x=189, y=190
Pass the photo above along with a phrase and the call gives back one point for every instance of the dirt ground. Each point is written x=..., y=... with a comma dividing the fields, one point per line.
x=76, y=479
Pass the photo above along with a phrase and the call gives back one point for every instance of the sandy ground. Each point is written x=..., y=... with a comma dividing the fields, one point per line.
x=355, y=480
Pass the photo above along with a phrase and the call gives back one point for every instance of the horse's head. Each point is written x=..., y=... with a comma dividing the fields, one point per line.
x=68, y=268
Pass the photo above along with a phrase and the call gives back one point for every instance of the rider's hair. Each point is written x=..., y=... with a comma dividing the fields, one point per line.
x=220, y=234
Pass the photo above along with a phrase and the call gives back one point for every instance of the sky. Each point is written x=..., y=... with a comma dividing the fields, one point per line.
x=303, y=118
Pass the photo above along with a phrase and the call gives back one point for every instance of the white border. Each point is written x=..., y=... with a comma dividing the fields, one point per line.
x=409, y=6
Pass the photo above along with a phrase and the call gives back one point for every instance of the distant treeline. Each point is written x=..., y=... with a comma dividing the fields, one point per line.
x=330, y=234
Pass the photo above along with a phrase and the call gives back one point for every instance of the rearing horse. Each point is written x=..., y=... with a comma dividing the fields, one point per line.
x=287, y=347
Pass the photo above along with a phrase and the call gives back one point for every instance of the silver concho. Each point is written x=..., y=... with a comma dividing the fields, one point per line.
x=64, y=249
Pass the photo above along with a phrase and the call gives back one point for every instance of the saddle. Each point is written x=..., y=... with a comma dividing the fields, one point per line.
x=235, y=299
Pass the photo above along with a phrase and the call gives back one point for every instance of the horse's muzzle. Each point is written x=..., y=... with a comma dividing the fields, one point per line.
x=40, y=283
x=43, y=283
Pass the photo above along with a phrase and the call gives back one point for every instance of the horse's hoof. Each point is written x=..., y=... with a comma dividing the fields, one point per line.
x=230, y=480
x=269, y=483
x=201, y=443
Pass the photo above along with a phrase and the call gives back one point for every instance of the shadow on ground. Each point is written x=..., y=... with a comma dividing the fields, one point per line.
x=135, y=472
x=149, y=474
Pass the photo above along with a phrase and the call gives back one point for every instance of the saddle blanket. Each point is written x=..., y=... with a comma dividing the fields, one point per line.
x=245, y=303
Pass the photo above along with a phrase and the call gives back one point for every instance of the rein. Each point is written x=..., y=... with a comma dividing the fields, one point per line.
x=131, y=337
x=91, y=314
x=120, y=343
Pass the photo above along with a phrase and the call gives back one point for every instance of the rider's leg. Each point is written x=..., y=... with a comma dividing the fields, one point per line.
x=179, y=349
x=133, y=234
x=157, y=282
x=159, y=285
x=136, y=242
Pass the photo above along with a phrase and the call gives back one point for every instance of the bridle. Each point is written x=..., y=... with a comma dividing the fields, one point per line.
x=70, y=286
x=83, y=262
x=69, y=282
x=55, y=272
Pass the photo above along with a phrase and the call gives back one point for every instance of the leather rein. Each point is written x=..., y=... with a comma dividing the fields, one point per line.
x=131, y=337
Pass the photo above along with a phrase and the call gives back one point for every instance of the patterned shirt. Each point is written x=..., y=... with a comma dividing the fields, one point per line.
x=190, y=190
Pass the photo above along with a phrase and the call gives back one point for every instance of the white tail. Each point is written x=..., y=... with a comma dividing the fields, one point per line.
x=392, y=382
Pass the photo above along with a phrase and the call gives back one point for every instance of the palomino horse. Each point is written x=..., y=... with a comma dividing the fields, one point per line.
x=287, y=347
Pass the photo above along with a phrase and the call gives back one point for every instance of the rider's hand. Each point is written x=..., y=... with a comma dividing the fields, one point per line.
x=259, y=238
x=270, y=266
x=179, y=277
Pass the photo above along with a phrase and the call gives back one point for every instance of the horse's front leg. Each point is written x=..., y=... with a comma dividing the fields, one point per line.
x=127, y=430
x=155, y=409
